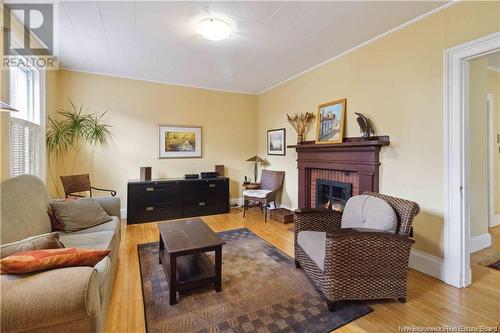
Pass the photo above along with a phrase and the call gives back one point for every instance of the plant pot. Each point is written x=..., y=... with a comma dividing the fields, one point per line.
x=300, y=138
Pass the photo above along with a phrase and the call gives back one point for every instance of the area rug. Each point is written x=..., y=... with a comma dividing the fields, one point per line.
x=262, y=291
x=492, y=262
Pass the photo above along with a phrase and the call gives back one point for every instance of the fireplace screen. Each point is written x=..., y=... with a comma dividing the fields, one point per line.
x=331, y=194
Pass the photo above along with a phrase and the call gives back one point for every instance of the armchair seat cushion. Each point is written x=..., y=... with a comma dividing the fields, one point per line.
x=256, y=193
x=369, y=212
x=313, y=244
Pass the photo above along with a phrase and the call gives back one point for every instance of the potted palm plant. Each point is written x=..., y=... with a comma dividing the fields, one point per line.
x=71, y=129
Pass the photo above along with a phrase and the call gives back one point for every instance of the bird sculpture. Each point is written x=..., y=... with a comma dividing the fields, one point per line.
x=364, y=126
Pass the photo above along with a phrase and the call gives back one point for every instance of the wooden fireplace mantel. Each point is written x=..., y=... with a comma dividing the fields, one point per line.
x=352, y=155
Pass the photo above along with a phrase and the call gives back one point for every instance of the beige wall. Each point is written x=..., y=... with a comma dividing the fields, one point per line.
x=478, y=127
x=397, y=81
x=494, y=88
x=135, y=108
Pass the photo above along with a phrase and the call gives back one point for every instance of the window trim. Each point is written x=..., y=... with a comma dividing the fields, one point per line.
x=42, y=123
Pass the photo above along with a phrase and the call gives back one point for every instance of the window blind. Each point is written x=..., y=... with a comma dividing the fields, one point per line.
x=25, y=145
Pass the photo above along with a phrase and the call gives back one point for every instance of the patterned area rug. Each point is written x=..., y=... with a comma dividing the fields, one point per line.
x=262, y=291
x=492, y=262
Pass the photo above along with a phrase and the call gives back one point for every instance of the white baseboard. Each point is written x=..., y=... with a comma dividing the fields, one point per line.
x=495, y=220
x=480, y=242
x=236, y=201
x=427, y=264
x=123, y=213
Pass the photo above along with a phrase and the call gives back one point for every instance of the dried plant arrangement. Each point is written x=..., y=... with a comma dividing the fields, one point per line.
x=301, y=122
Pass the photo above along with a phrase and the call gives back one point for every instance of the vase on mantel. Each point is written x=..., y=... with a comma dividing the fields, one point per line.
x=300, y=138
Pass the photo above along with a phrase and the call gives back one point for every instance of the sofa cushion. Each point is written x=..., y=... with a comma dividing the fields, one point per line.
x=40, y=242
x=366, y=211
x=313, y=244
x=113, y=225
x=92, y=240
x=79, y=214
x=256, y=193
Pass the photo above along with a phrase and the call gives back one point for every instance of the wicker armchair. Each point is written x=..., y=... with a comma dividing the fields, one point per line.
x=359, y=263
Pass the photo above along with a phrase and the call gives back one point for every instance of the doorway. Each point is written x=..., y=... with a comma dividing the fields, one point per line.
x=457, y=157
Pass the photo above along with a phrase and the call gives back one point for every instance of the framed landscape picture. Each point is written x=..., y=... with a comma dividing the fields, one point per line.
x=179, y=141
x=276, y=142
x=330, y=122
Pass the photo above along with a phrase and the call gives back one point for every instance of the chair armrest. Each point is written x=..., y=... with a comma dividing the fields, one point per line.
x=362, y=251
x=53, y=297
x=113, y=192
x=110, y=204
x=316, y=219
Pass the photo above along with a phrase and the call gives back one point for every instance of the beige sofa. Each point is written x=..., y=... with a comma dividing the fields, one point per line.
x=61, y=300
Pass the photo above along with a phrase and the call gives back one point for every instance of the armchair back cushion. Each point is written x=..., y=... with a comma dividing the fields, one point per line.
x=366, y=211
x=23, y=208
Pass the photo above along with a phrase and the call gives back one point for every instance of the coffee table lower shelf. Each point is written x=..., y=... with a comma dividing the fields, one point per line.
x=192, y=271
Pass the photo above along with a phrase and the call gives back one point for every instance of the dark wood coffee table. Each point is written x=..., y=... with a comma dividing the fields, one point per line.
x=182, y=254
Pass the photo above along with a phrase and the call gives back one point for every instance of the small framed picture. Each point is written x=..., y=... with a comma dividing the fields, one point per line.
x=179, y=141
x=330, y=122
x=276, y=142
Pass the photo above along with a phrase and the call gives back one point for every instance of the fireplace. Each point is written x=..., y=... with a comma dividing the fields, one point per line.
x=325, y=169
x=332, y=194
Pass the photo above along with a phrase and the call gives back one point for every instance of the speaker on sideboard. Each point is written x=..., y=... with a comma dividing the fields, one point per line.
x=219, y=170
x=145, y=173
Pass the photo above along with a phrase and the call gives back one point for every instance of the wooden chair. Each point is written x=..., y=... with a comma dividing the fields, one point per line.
x=80, y=183
x=270, y=183
x=359, y=264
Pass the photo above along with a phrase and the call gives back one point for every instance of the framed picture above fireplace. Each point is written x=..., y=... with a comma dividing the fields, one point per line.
x=330, y=122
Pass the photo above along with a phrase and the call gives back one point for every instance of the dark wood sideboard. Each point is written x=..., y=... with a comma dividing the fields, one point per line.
x=166, y=199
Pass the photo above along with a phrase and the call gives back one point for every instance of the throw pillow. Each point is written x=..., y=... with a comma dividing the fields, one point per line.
x=56, y=224
x=366, y=211
x=40, y=242
x=79, y=214
x=40, y=260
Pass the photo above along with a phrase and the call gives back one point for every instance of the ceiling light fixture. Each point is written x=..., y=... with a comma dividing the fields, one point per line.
x=214, y=29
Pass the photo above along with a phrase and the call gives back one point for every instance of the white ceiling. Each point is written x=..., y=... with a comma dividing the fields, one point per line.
x=272, y=41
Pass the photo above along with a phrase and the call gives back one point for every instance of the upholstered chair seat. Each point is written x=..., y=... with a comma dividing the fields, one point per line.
x=256, y=193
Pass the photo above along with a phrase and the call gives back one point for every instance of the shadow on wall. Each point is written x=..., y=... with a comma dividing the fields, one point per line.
x=432, y=241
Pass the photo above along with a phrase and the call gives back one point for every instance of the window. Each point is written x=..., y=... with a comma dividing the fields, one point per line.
x=27, y=132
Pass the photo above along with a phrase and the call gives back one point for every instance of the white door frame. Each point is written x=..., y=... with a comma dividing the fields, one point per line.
x=491, y=156
x=456, y=157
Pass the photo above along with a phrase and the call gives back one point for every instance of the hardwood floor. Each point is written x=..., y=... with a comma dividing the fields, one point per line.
x=430, y=301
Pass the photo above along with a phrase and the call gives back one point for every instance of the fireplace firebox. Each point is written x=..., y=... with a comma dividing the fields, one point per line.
x=332, y=194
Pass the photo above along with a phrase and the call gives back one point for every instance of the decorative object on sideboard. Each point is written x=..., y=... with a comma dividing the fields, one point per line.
x=145, y=173
x=179, y=141
x=257, y=160
x=4, y=107
x=276, y=142
x=208, y=174
x=70, y=130
x=220, y=170
x=191, y=176
x=365, y=126
x=301, y=122
x=330, y=124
